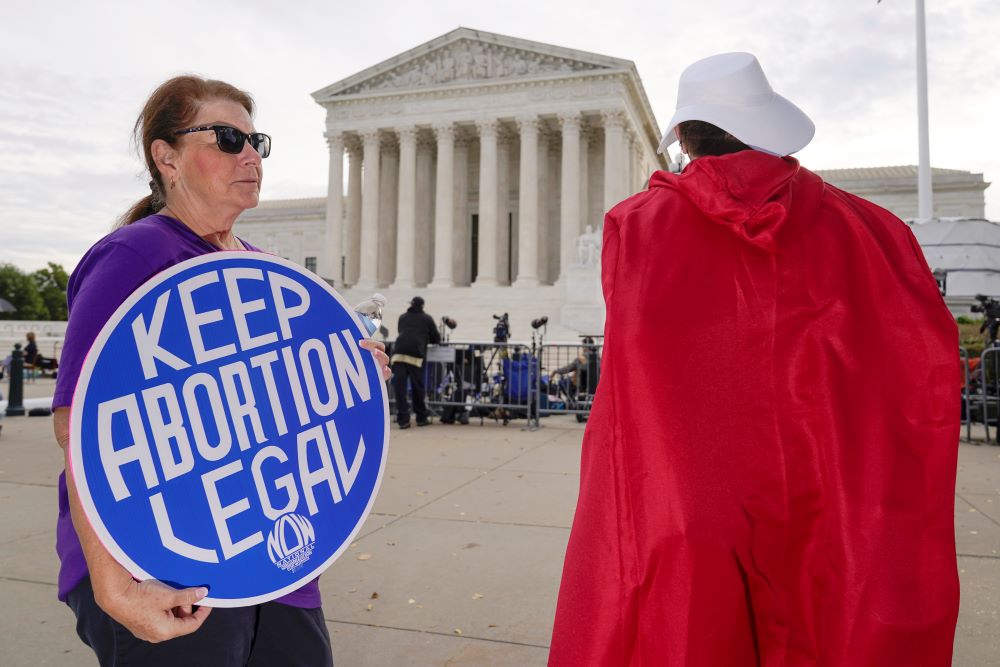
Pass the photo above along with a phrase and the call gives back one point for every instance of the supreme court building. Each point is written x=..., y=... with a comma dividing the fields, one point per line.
x=475, y=164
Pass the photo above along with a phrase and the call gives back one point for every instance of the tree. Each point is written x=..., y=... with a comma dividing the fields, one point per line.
x=51, y=283
x=34, y=294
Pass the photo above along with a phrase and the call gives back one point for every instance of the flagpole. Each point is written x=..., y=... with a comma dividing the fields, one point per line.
x=924, y=184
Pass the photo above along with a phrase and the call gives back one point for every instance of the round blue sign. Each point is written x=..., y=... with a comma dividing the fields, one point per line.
x=227, y=429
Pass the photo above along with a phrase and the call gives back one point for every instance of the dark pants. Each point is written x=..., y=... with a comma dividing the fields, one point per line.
x=400, y=374
x=264, y=634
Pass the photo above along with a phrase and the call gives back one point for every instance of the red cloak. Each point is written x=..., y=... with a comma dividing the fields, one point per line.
x=768, y=473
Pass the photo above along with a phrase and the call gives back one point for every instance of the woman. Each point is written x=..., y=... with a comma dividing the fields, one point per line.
x=204, y=157
x=31, y=349
x=758, y=491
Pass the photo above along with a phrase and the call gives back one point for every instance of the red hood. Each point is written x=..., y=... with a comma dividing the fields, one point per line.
x=750, y=192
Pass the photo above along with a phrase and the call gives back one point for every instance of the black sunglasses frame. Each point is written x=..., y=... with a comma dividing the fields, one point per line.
x=234, y=143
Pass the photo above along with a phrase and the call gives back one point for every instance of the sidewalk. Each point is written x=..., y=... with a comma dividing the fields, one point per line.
x=464, y=550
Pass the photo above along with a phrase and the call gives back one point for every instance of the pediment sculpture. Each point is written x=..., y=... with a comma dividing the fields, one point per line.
x=469, y=61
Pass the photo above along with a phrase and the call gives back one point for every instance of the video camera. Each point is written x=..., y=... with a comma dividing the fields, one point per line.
x=990, y=308
x=501, y=332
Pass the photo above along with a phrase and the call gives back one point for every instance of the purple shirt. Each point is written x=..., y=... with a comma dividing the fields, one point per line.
x=110, y=271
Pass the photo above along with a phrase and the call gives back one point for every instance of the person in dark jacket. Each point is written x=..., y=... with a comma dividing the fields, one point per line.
x=416, y=331
x=31, y=349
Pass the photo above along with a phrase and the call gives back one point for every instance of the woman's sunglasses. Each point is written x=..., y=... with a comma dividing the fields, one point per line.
x=231, y=140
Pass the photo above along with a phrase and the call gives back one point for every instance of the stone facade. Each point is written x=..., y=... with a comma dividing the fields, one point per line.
x=957, y=194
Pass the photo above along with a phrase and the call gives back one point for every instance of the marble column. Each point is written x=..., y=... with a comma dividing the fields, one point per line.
x=586, y=135
x=527, y=264
x=368, y=274
x=503, y=241
x=640, y=167
x=548, y=247
x=633, y=171
x=614, y=157
x=487, y=258
x=352, y=239
x=444, y=206
x=334, y=228
x=406, y=218
x=460, y=196
x=569, y=192
x=424, y=246
x=388, y=194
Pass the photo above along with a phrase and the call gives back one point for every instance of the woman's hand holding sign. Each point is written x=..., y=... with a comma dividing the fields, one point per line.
x=381, y=358
x=152, y=611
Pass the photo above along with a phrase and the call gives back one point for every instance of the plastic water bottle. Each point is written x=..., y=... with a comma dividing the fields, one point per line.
x=370, y=312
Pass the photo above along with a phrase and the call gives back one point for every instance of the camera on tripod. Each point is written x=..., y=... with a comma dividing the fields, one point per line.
x=447, y=324
x=990, y=308
x=501, y=332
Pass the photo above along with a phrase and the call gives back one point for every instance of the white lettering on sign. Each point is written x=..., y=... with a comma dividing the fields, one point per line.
x=323, y=474
x=241, y=409
x=322, y=356
x=166, y=428
x=136, y=451
x=243, y=308
x=222, y=513
x=208, y=451
x=171, y=541
x=215, y=415
x=263, y=362
x=350, y=369
x=147, y=341
x=279, y=285
x=291, y=300
x=347, y=474
x=286, y=483
x=196, y=320
x=295, y=384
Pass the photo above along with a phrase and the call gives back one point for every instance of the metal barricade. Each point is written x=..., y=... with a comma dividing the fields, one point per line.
x=988, y=396
x=468, y=380
x=568, y=378
x=963, y=356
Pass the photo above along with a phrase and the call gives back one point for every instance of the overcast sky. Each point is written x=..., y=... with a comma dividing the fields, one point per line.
x=73, y=76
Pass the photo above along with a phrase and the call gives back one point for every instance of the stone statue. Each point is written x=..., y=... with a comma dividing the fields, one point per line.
x=588, y=247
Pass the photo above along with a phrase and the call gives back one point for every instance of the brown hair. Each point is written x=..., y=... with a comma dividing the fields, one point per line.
x=171, y=107
x=701, y=138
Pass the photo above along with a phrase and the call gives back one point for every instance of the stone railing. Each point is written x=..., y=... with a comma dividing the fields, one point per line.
x=48, y=336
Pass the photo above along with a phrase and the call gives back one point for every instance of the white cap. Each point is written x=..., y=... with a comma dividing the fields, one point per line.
x=730, y=91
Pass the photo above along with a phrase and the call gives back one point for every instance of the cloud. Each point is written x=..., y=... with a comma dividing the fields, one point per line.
x=76, y=74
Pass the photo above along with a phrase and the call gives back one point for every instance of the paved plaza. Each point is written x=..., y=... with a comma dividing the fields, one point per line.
x=459, y=563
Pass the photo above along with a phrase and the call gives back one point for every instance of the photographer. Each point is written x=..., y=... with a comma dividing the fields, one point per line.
x=501, y=331
x=416, y=330
x=582, y=371
x=990, y=308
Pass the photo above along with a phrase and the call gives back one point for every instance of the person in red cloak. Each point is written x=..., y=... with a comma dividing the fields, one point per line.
x=775, y=484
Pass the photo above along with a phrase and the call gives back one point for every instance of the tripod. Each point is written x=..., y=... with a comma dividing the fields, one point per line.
x=535, y=388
